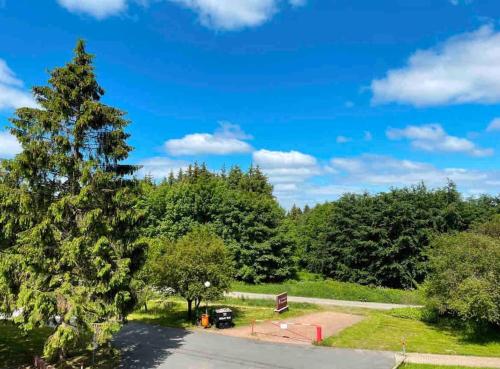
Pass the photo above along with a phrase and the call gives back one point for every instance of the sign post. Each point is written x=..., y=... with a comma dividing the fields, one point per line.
x=281, y=302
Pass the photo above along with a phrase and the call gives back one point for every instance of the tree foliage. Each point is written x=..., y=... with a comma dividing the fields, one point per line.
x=383, y=239
x=67, y=210
x=186, y=264
x=465, y=274
x=238, y=206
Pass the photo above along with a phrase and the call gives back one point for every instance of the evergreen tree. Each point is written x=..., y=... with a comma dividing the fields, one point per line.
x=383, y=239
x=67, y=209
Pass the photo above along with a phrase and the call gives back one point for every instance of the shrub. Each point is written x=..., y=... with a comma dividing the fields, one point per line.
x=465, y=277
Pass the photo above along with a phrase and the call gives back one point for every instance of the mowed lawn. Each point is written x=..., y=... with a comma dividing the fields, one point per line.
x=18, y=348
x=386, y=331
x=173, y=312
x=330, y=289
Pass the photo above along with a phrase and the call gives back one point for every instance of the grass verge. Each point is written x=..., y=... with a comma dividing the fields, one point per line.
x=173, y=313
x=386, y=330
x=331, y=289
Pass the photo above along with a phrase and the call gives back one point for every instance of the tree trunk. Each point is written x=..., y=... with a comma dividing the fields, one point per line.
x=190, y=309
x=196, y=305
x=198, y=302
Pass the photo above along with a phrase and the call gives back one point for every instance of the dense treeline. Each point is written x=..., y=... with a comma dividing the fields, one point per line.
x=372, y=239
x=383, y=239
x=239, y=207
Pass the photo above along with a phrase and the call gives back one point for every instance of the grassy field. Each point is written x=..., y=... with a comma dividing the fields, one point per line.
x=422, y=366
x=17, y=348
x=386, y=330
x=173, y=312
x=331, y=289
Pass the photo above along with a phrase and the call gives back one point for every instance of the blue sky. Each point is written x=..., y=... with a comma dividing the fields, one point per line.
x=326, y=96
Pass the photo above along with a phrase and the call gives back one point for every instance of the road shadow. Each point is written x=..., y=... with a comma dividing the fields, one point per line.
x=146, y=346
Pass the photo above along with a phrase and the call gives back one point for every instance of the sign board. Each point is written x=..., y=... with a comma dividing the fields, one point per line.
x=281, y=302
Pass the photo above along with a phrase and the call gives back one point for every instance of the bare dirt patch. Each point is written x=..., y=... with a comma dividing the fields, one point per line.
x=299, y=330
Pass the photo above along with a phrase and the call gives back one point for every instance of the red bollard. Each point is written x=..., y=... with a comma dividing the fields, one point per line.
x=319, y=334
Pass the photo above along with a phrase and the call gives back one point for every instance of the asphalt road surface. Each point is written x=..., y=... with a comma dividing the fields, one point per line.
x=149, y=346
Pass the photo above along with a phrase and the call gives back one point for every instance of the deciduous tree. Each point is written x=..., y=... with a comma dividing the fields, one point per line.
x=186, y=264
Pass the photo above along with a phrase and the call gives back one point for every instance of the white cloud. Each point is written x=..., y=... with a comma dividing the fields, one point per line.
x=217, y=14
x=9, y=146
x=99, y=9
x=228, y=139
x=234, y=14
x=160, y=167
x=343, y=139
x=367, y=136
x=286, y=167
x=460, y=2
x=231, y=130
x=494, y=125
x=464, y=69
x=12, y=94
x=432, y=137
x=375, y=173
x=278, y=159
x=298, y=3
x=385, y=171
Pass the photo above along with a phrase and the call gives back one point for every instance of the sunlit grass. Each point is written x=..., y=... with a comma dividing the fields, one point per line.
x=173, y=312
x=387, y=330
x=331, y=289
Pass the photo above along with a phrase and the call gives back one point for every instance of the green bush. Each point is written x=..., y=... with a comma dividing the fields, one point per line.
x=465, y=275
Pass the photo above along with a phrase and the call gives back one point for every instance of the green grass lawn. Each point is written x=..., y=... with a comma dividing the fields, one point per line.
x=173, y=313
x=385, y=331
x=17, y=348
x=331, y=289
x=425, y=366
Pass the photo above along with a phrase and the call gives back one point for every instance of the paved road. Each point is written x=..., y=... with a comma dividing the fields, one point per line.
x=318, y=301
x=147, y=346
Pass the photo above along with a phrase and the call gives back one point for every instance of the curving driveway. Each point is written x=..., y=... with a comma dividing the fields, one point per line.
x=148, y=346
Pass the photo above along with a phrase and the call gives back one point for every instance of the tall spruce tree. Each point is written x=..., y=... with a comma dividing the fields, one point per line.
x=67, y=212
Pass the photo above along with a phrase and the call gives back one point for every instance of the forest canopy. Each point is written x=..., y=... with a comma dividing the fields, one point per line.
x=238, y=206
x=378, y=239
x=383, y=239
